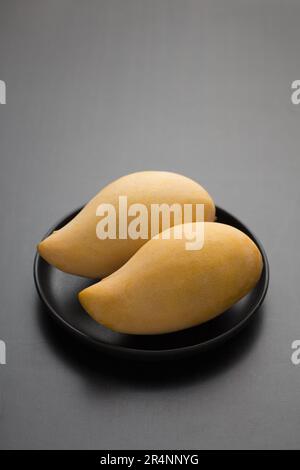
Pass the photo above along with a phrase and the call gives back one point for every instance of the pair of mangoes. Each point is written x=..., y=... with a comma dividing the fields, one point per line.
x=155, y=286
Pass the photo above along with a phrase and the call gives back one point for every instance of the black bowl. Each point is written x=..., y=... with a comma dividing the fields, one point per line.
x=59, y=291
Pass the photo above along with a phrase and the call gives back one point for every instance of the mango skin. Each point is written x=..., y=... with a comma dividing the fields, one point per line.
x=165, y=288
x=75, y=248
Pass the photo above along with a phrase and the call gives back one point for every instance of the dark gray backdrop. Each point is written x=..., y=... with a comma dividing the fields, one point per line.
x=99, y=89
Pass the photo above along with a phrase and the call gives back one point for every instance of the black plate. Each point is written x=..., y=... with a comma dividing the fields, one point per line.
x=59, y=292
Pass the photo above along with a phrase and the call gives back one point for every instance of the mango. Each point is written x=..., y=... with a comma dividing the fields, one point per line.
x=165, y=288
x=76, y=248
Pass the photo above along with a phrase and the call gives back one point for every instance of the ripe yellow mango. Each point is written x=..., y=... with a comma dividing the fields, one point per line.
x=164, y=287
x=76, y=249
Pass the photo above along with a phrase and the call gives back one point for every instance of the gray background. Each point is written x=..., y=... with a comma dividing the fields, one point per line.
x=99, y=89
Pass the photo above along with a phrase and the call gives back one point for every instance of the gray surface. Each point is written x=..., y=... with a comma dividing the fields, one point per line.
x=99, y=89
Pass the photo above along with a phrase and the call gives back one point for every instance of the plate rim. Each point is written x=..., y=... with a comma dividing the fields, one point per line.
x=221, y=338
